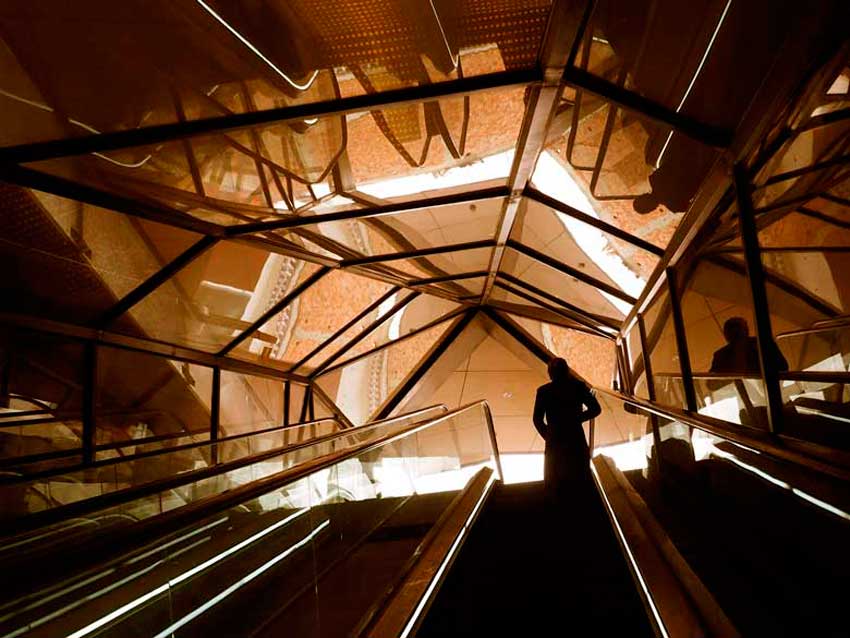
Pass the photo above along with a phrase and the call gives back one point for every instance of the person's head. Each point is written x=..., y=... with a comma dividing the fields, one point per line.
x=558, y=369
x=736, y=329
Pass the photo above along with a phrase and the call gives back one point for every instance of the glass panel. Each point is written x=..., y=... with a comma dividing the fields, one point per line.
x=73, y=260
x=664, y=353
x=818, y=411
x=458, y=262
x=249, y=403
x=41, y=394
x=215, y=58
x=313, y=317
x=593, y=358
x=718, y=320
x=510, y=302
x=140, y=395
x=263, y=172
x=419, y=312
x=360, y=388
x=345, y=532
x=583, y=247
x=216, y=297
x=413, y=230
x=633, y=46
x=562, y=285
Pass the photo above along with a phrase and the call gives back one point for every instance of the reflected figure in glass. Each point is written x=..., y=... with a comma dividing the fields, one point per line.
x=740, y=354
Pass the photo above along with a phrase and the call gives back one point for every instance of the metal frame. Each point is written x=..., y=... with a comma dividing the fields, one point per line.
x=567, y=27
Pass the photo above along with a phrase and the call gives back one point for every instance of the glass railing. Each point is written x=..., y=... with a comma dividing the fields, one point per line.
x=309, y=550
x=748, y=515
x=55, y=488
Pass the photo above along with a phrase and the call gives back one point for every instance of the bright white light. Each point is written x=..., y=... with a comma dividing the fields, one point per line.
x=141, y=600
x=551, y=178
x=168, y=631
x=491, y=167
x=256, y=51
x=694, y=78
x=627, y=456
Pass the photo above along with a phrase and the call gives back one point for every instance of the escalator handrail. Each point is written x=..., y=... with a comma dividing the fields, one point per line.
x=111, y=499
x=172, y=521
x=745, y=436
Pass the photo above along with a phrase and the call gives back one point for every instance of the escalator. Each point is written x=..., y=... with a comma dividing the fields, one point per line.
x=530, y=567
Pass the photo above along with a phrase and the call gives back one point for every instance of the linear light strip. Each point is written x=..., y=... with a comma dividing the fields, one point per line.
x=256, y=51
x=444, y=565
x=168, y=631
x=694, y=78
x=134, y=604
x=631, y=557
x=794, y=490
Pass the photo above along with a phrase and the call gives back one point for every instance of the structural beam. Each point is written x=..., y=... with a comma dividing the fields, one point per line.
x=566, y=209
x=289, y=222
x=761, y=310
x=105, y=142
x=563, y=34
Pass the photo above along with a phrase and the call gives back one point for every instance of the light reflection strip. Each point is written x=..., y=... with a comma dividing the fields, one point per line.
x=794, y=490
x=239, y=583
x=694, y=78
x=100, y=622
x=634, y=563
x=256, y=51
x=446, y=561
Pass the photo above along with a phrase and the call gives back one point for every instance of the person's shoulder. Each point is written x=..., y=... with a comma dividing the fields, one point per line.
x=545, y=388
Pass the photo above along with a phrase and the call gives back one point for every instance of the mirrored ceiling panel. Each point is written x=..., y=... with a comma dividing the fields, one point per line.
x=324, y=164
x=162, y=61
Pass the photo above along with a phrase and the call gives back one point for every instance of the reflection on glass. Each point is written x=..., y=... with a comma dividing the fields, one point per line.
x=216, y=297
x=361, y=387
x=306, y=539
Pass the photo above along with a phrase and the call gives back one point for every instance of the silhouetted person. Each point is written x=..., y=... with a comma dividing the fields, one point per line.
x=740, y=355
x=559, y=410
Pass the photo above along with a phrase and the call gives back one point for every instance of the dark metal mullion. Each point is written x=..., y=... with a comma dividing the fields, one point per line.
x=425, y=365
x=569, y=270
x=761, y=310
x=566, y=209
x=362, y=334
x=287, y=401
x=781, y=177
x=681, y=340
x=700, y=131
x=89, y=411
x=350, y=324
x=413, y=283
x=304, y=401
x=276, y=308
x=423, y=328
x=166, y=132
x=422, y=252
x=650, y=389
x=582, y=315
x=517, y=332
x=156, y=280
x=31, y=178
x=215, y=413
x=373, y=210
x=545, y=306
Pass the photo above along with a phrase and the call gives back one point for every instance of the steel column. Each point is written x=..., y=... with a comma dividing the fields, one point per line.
x=761, y=310
x=681, y=340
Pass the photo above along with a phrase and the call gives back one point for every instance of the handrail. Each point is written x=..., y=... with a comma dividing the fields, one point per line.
x=678, y=603
x=186, y=446
x=745, y=436
x=404, y=606
x=167, y=522
x=177, y=448
x=111, y=499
